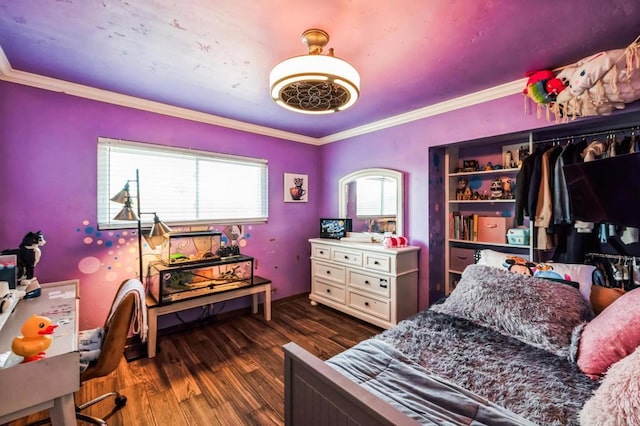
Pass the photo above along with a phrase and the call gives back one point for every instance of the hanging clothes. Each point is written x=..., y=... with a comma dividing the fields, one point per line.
x=544, y=202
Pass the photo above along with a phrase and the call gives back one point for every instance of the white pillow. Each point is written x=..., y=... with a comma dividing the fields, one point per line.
x=582, y=274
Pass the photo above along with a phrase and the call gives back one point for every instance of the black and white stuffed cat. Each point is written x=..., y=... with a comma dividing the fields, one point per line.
x=28, y=254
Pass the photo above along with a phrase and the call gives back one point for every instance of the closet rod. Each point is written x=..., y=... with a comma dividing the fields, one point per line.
x=586, y=135
x=613, y=256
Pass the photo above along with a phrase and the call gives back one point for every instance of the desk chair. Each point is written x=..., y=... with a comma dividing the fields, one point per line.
x=116, y=331
x=113, y=344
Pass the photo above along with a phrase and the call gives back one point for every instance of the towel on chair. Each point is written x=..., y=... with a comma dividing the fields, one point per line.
x=139, y=322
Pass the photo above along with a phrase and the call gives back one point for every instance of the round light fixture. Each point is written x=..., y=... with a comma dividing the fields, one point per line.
x=315, y=83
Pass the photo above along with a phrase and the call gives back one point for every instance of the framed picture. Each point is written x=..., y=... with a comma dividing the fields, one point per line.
x=296, y=188
x=334, y=227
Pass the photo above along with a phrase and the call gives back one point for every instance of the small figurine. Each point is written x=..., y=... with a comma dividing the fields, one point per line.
x=35, y=339
x=496, y=189
x=461, y=188
x=507, y=192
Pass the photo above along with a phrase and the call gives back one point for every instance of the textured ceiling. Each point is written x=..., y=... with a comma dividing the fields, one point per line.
x=215, y=56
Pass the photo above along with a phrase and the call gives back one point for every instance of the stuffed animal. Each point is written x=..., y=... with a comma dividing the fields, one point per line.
x=600, y=84
x=27, y=254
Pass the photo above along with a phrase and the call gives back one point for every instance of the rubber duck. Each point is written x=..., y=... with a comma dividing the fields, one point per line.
x=35, y=339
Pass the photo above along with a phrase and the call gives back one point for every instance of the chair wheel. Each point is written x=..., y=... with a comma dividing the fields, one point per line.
x=121, y=401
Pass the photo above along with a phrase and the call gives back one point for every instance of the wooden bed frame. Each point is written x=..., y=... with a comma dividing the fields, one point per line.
x=316, y=394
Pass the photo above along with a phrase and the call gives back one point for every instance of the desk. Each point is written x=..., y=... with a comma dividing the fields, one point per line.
x=50, y=382
x=260, y=285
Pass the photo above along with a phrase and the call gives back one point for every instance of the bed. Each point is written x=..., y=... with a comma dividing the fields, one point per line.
x=502, y=349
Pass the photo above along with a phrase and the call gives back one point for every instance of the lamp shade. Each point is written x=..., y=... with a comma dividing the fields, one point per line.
x=123, y=196
x=315, y=83
x=127, y=212
x=159, y=228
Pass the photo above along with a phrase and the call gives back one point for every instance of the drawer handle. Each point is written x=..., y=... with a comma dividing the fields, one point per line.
x=376, y=262
x=328, y=290
x=491, y=225
x=328, y=272
x=346, y=257
x=366, y=282
x=321, y=252
x=366, y=303
x=462, y=257
x=383, y=283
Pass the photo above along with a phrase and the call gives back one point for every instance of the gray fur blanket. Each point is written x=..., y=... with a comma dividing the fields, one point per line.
x=475, y=351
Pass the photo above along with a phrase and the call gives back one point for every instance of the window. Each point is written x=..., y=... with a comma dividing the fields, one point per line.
x=376, y=196
x=182, y=186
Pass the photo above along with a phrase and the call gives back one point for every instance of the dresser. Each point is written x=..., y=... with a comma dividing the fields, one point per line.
x=365, y=280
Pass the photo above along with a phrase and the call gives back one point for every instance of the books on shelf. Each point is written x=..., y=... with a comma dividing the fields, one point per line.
x=463, y=227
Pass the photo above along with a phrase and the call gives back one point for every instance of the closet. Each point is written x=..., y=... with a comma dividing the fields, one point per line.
x=488, y=182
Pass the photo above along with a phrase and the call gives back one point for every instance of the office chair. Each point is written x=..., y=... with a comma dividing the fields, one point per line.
x=116, y=331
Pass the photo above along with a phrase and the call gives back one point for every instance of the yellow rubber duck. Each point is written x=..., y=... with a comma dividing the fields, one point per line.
x=35, y=339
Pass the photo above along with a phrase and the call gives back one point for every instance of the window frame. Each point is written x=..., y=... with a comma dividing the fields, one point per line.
x=108, y=187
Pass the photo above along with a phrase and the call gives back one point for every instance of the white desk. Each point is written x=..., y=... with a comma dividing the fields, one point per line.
x=48, y=383
x=260, y=285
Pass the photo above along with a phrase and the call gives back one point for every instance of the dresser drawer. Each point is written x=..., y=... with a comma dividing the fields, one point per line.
x=352, y=258
x=327, y=271
x=321, y=252
x=377, y=262
x=372, y=306
x=328, y=291
x=370, y=283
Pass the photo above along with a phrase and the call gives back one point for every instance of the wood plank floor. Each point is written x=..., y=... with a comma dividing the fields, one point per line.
x=227, y=372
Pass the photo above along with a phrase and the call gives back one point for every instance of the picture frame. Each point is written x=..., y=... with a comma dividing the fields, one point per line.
x=335, y=228
x=296, y=188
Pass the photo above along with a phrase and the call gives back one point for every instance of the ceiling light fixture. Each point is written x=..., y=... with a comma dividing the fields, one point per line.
x=315, y=83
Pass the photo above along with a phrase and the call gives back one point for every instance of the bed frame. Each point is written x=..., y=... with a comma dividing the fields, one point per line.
x=317, y=395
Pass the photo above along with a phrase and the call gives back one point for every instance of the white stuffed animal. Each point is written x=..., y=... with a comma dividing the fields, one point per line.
x=600, y=83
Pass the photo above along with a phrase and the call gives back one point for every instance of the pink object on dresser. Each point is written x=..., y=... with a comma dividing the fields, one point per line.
x=610, y=336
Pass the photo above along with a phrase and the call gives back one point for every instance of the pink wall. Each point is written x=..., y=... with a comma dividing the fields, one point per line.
x=48, y=173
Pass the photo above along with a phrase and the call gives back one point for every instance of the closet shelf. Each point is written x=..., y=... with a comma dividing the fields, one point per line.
x=485, y=172
x=484, y=243
x=481, y=201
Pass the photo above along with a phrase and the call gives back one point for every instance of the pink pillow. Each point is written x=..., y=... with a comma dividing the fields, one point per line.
x=610, y=336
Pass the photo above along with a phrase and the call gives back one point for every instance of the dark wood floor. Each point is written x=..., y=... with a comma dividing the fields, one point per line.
x=227, y=372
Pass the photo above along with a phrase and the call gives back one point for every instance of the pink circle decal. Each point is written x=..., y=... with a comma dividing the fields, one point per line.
x=89, y=265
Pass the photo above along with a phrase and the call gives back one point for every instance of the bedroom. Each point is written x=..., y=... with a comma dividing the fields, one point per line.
x=49, y=138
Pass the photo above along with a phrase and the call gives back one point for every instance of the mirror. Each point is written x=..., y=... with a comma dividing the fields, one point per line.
x=373, y=199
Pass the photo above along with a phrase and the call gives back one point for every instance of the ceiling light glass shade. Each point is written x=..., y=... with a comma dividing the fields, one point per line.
x=127, y=212
x=315, y=83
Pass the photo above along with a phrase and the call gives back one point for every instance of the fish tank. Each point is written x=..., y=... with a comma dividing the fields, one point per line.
x=190, y=247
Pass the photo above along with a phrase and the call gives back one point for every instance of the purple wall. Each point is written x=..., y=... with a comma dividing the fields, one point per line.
x=48, y=172
x=406, y=148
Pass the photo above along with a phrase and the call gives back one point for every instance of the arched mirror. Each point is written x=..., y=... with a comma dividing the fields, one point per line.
x=373, y=199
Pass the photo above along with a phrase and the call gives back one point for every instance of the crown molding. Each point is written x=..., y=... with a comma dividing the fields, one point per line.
x=496, y=92
x=7, y=73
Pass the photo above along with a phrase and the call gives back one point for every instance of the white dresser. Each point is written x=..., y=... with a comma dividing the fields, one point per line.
x=365, y=280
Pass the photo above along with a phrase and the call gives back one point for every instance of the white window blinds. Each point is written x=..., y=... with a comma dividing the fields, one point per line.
x=182, y=186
